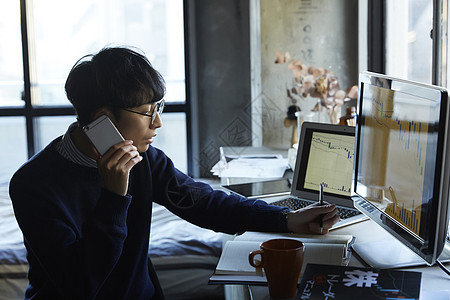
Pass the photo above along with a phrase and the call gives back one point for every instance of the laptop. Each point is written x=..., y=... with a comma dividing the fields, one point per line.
x=325, y=156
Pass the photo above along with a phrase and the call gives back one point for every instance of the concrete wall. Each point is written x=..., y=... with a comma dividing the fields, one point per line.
x=320, y=33
x=238, y=94
x=219, y=66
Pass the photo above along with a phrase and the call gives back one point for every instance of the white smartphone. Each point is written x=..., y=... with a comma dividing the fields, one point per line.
x=103, y=134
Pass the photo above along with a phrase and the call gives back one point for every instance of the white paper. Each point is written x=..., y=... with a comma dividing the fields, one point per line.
x=254, y=167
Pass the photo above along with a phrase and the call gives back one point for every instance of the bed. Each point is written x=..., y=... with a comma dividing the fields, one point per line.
x=184, y=255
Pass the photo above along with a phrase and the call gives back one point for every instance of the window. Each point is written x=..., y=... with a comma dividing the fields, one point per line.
x=408, y=39
x=12, y=128
x=33, y=106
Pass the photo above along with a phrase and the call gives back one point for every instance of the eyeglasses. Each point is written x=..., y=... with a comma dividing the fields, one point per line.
x=158, y=109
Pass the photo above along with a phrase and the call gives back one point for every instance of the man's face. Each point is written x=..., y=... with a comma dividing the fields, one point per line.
x=138, y=127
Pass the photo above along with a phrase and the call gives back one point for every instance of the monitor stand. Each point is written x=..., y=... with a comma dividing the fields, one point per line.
x=390, y=253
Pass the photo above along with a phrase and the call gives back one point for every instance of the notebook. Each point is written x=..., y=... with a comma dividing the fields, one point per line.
x=234, y=268
x=325, y=156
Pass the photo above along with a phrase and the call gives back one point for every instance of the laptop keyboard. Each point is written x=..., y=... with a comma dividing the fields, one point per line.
x=294, y=204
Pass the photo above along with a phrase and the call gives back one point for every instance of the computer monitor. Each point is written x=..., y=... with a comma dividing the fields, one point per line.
x=402, y=161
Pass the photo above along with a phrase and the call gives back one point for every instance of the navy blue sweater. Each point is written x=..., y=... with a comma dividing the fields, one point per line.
x=84, y=242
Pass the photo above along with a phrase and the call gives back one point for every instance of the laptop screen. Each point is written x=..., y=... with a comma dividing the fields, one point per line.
x=325, y=156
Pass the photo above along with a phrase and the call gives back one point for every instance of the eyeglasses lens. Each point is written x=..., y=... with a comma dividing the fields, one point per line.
x=158, y=109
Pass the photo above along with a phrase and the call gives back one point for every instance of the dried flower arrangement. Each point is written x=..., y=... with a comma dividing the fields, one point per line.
x=317, y=83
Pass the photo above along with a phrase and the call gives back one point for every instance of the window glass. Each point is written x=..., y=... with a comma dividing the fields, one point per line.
x=408, y=41
x=13, y=151
x=66, y=30
x=11, y=68
x=49, y=128
x=60, y=32
x=172, y=139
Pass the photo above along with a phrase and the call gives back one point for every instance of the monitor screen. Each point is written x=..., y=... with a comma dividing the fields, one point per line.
x=325, y=156
x=329, y=162
x=401, y=166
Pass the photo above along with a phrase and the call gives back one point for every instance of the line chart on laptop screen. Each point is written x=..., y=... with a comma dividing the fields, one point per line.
x=330, y=162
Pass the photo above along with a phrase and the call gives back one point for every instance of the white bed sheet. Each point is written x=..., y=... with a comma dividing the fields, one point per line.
x=192, y=252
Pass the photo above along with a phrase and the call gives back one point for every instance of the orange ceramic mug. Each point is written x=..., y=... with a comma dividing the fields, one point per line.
x=282, y=261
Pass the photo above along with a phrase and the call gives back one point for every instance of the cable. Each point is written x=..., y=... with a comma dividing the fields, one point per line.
x=441, y=265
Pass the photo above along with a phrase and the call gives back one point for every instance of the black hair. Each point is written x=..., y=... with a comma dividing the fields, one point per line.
x=115, y=78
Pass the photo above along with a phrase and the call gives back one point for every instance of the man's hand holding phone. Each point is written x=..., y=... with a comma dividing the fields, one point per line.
x=116, y=156
x=115, y=165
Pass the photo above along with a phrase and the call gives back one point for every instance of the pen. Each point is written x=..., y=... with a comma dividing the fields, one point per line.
x=321, y=203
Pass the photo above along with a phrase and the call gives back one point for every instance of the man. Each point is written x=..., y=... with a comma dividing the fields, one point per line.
x=86, y=218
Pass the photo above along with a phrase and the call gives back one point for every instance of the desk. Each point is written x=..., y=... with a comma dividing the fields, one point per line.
x=433, y=278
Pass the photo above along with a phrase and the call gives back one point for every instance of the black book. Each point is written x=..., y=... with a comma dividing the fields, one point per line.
x=340, y=282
